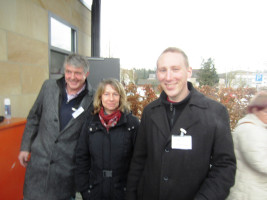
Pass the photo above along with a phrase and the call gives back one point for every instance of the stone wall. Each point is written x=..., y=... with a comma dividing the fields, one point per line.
x=24, y=48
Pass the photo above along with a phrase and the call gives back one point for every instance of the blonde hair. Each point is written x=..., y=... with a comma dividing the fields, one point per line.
x=116, y=85
x=176, y=50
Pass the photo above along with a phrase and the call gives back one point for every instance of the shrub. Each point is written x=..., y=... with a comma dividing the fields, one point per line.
x=235, y=100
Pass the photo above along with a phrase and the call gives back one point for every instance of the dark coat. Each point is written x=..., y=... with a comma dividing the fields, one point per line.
x=159, y=172
x=103, y=158
x=50, y=171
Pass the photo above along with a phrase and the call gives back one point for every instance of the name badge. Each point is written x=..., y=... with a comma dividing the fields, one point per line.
x=77, y=112
x=182, y=142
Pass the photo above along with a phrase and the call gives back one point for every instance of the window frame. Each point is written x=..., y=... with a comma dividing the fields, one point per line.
x=74, y=43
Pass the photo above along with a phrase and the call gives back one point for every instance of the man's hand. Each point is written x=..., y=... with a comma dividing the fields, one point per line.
x=24, y=158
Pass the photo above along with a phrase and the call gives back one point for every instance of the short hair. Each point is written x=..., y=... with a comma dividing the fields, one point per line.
x=259, y=101
x=78, y=61
x=116, y=85
x=176, y=50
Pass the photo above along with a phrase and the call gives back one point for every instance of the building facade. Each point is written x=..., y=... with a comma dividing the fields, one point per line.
x=25, y=46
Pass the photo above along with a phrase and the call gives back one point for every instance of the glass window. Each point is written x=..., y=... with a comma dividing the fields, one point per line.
x=87, y=3
x=62, y=42
x=60, y=35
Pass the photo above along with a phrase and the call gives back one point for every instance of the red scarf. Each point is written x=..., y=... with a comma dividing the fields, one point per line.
x=109, y=120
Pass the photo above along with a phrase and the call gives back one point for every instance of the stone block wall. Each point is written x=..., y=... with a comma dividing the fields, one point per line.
x=24, y=48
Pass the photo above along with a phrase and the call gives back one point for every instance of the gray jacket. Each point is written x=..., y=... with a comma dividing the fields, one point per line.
x=50, y=171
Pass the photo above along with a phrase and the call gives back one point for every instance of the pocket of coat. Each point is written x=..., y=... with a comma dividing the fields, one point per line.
x=119, y=190
x=94, y=186
x=140, y=189
x=94, y=190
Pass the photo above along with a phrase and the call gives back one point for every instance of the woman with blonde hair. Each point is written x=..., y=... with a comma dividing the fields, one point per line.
x=105, y=147
x=250, y=142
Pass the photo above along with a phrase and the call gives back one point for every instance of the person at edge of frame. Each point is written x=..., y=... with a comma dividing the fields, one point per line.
x=250, y=143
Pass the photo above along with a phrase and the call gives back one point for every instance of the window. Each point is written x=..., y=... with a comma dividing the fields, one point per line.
x=62, y=41
x=87, y=3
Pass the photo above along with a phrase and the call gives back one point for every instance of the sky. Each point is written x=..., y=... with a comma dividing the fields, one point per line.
x=231, y=32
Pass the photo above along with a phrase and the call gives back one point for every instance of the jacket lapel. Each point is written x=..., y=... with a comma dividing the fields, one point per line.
x=85, y=103
x=188, y=117
x=159, y=117
x=55, y=104
x=185, y=121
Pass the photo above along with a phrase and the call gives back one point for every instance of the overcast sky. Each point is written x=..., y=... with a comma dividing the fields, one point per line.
x=232, y=32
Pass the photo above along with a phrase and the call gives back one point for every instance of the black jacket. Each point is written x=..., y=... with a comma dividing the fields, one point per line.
x=103, y=158
x=207, y=171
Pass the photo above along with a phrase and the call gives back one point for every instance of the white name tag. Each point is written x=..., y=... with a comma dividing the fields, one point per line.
x=77, y=112
x=182, y=142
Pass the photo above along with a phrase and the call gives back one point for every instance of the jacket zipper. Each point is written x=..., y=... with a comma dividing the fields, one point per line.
x=173, y=113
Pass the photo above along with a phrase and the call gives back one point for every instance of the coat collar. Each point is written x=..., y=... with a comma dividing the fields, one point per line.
x=186, y=119
x=197, y=98
x=122, y=120
x=85, y=103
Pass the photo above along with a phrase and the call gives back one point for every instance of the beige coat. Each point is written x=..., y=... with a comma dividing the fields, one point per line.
x=250, y=141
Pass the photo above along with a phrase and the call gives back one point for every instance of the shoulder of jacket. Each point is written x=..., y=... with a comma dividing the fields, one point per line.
x=203, y=101
x=89, y=99
x=249, y=120
x=91, y=90
x=132, y=121
x=131, y=117
x=153, y=104
x=49, y=82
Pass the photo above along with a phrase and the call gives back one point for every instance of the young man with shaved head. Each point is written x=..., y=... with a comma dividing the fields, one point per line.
x=184, y=147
